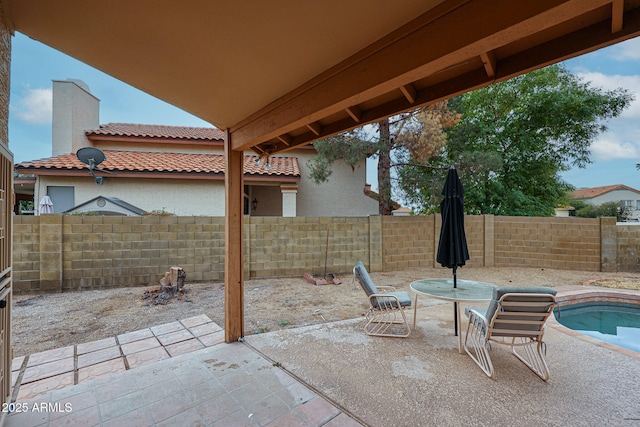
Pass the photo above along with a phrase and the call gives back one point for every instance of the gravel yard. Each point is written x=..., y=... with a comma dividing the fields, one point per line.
x=42, y=322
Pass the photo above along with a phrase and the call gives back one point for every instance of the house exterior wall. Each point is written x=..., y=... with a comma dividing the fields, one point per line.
x=180, y=197
x=342, y=195
x=6, y=216
x=268, y=198
x=75, y=110
x=62, y=252
x=616, y=196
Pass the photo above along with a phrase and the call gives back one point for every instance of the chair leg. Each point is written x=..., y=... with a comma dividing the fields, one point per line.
x=531, y=356
x=387, y=323
x=478, y=348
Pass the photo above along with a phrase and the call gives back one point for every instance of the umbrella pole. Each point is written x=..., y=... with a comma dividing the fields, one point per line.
x=455, y=304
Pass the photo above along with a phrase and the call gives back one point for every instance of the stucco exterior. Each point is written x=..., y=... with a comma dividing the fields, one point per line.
x=75, y=110
x=76, y=117
x=178, y=197
x=342, y=195
x=623, y=194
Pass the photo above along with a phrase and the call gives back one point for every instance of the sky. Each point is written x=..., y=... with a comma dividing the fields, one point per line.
x=34, y=66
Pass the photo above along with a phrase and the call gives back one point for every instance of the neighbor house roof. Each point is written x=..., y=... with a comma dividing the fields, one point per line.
x=127, y=163
x=156, y=132
x=590, y=193
x=116, y=201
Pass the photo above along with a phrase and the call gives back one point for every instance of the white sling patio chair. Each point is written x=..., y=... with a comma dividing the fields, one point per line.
x=514, y=317
x=386, y=317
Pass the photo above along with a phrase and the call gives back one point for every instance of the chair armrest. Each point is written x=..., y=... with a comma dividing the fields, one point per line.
x=383, y=296
x=386, y=288
x=476, y=315
x=477, y=321
x=384, y=301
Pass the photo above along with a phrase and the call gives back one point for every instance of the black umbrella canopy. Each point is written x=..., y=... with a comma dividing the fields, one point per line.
x=452, y=249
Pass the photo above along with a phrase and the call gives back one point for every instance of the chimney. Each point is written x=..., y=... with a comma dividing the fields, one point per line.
x=75, y=111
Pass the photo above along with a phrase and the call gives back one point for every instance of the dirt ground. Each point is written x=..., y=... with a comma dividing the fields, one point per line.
x=43, y=322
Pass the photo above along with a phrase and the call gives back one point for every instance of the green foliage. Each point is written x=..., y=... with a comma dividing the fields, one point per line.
x=615, y=209
x=85, y=213
x=514, y=139
x=25, y=205
x=416, y=135
x=158, y=212
x=350, y=147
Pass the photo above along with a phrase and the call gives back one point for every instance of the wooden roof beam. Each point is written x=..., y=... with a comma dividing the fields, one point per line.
x=617, y=14
x=581, y=41
x=409, y=92
x=354, y=112
x=285, y=139
x=490, y=63
x=315, y=127
x=405, y=56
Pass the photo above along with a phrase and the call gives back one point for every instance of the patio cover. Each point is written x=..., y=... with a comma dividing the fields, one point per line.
x=282, y=73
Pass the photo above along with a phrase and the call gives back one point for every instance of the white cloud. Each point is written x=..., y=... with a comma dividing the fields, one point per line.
x=35, y=107
x=628, y=50
x=609, y=147
x=611, y=82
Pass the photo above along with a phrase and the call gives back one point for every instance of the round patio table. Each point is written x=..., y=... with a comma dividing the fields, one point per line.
x=442, y=289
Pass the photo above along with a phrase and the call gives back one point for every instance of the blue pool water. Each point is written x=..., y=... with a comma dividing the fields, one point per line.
x=617, y=323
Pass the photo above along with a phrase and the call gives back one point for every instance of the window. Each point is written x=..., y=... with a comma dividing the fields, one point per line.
x=638, y=205
x=627, y=203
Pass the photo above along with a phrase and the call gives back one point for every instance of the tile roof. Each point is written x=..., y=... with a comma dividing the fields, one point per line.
x=158, y=131
x=154, y=162
x=590, y=193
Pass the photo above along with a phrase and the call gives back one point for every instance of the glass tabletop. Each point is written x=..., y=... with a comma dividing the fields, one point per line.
x=466, y=290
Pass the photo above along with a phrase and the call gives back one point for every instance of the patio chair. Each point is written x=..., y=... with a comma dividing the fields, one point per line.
x=514, y=317
x=386, y=317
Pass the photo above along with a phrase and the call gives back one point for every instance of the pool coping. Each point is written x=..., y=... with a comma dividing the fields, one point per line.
x=591, y=295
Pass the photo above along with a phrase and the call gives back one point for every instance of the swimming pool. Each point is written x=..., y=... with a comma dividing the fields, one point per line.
x=614, y=322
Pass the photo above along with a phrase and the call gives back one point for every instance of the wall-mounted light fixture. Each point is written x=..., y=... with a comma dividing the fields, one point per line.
x=254, y=204
x=265, y=151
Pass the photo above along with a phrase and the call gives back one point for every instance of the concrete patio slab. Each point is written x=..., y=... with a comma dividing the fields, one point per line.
x=224, y=385
x=333, y=374
x=423, y=380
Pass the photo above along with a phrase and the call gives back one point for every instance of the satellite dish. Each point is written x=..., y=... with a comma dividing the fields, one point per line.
x=92, y=157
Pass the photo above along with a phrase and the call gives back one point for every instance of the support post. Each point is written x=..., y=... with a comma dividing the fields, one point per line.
x=233, y=254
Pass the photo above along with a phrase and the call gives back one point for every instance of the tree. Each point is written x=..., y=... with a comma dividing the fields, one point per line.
x=421, y=133
x=513, y=140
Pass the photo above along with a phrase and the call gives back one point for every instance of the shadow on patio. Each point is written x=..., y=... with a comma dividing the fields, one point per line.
x=334, y=374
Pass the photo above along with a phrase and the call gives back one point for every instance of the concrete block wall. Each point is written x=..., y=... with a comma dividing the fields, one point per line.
x=628, y=248
x=277, y=246
x=54, y=253
x=409, y=241
x=63, y=253
x=564, y=243
x=474, y=230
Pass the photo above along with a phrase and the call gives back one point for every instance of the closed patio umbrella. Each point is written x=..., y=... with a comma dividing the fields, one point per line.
x=46, y=205
x=452, y=248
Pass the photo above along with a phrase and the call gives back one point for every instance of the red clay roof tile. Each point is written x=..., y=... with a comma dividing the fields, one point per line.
x=158, y=131
x=590, y=193
x=179, y=163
